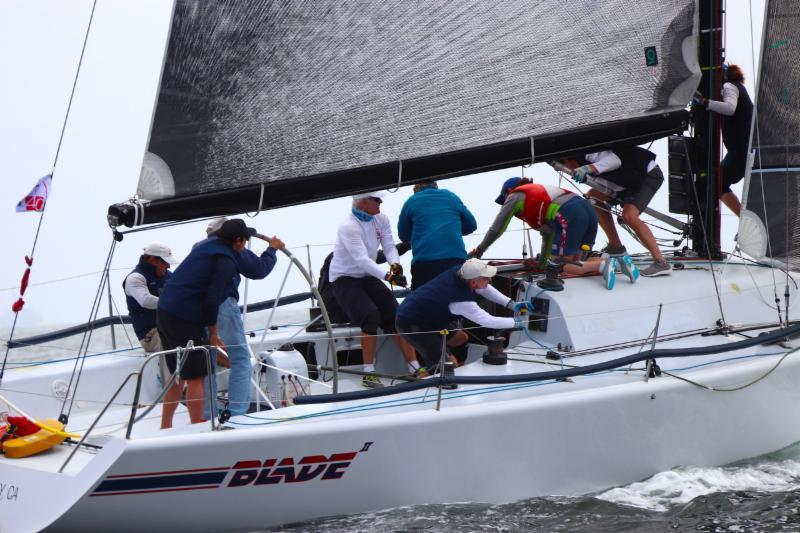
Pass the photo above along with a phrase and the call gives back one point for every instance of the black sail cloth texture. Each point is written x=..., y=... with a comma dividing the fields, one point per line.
x=326, y=95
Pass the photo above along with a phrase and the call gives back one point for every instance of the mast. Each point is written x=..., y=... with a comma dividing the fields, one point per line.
x=705, y=225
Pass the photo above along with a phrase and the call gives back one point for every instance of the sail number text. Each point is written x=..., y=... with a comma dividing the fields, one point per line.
x=8, y=492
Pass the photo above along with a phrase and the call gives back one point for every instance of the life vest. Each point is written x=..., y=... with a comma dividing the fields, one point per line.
x=633, y=168
x=143, y=320
x=542, y=202
x=183, y=296
x=429, y=305
x=736, y=128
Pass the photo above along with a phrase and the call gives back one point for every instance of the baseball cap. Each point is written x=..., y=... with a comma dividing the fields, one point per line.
x=373, y=194
x=234, y=229
x=509, y=184
x=475, y=268
x=214, y=225
x=159, y=249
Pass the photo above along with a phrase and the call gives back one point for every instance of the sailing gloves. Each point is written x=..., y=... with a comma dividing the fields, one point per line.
x=581, y=173
x=520, y=307
x=520, y=321
x=395, y=275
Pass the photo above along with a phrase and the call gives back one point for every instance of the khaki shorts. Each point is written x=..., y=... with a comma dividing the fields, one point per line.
x=151, y=342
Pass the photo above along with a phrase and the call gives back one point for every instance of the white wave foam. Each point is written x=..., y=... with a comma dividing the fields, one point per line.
x=681, y=485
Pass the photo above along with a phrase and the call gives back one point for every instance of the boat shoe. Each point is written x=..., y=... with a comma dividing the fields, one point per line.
x=657, y=269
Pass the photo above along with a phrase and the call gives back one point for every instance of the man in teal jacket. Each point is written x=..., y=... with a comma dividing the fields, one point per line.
x=434, y=220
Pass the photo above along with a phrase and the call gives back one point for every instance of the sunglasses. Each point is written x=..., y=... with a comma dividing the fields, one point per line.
x=374, y=199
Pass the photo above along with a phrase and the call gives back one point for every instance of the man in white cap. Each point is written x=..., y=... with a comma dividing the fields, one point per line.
x=142, y=287
x=357, y=279
x=429, y=309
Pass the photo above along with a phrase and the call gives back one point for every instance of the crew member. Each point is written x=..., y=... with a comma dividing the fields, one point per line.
x=634, y=177
x=737, y=110
x=142, y=287
x=357, y=280
x=189, y=306
x=447, y=297
x=230, y=326
x=566, y=221
x=434, y=220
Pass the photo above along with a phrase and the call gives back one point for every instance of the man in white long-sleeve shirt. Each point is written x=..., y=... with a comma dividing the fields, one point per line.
x=737, y=111
x=429, y=309
x=142, y=288
x=357, y=280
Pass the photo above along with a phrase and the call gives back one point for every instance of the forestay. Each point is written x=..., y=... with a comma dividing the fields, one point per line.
x=770, y=222
x=322, y=99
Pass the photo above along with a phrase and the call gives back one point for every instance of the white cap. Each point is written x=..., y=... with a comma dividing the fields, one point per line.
x=215, y=225
x=475, y=268
x=159, y=249
x=374, y=194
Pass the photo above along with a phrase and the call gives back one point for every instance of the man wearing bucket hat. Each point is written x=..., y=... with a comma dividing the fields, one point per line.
x=357, y=280
x=142, y=288
x=189, y=307
x=230, y=325
x=429, y=309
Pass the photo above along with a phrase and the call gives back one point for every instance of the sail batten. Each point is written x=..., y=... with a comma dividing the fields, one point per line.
x=258, y=93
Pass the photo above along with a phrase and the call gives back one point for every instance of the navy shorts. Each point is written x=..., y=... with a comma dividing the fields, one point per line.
x=176, y=332
x=733, y=168
x=425, y=340
x=581, y=227
x=360, y=297
x=424, y=271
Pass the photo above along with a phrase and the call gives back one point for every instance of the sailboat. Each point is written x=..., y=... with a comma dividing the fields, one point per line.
x=269, y=105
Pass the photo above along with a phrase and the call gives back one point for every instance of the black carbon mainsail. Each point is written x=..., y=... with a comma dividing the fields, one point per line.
x=269, y=104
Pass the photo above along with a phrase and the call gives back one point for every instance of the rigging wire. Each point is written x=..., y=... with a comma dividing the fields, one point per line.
x=29, y=259
x=87, y=337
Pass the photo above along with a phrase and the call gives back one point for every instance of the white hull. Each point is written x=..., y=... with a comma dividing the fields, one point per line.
x=487, y=443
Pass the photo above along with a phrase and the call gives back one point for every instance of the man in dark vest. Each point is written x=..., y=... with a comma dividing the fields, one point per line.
x=447, y=297
x=737, y=110
x=630, y=176
x=189, y=306
x=142, y=288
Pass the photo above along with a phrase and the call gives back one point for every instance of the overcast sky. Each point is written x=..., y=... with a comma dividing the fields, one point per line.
x=101, y=154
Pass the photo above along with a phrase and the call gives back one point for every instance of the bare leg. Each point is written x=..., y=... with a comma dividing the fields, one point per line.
x=590, y=266
x=409, y=353
x=195, y=392
x=605, y=219
x=171, y=399
x=631, y=216
x=731, y=202
x=458, y=338
x=368, y=345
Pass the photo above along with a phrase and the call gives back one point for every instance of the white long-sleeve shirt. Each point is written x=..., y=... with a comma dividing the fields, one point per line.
x=730, y=97
x=136, y=288
x=472, y=311
x=357, y=245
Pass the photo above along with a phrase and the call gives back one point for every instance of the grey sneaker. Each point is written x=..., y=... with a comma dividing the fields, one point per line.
x=657, y=269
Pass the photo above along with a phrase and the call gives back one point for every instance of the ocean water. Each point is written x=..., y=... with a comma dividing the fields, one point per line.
x=761, y=494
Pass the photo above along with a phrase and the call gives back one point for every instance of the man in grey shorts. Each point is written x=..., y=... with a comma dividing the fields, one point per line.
x=634, y=177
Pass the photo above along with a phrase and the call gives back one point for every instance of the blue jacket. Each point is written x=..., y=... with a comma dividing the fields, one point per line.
x=427, y=306
x=433, y=221
x=185, y=296
x=249, y=265
x=144, y=320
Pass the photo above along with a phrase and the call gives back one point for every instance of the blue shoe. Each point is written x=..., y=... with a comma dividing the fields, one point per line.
x=609, y=271
x=628, y=268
